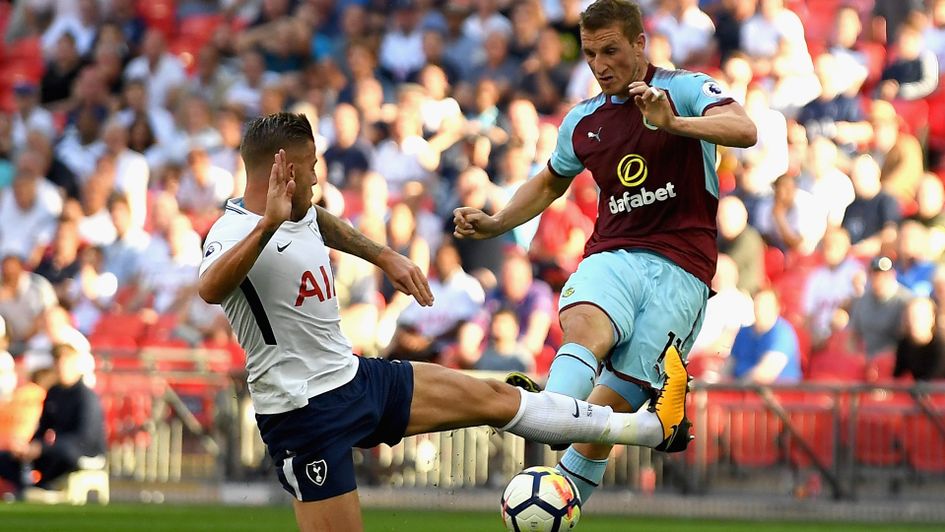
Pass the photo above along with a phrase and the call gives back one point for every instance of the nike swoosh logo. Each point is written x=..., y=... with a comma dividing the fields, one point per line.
x=282, y=248
x=577, y=409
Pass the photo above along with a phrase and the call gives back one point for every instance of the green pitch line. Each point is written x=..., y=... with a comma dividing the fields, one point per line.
x=161, y=518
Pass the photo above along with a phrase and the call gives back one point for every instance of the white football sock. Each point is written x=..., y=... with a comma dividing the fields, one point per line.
x=548, y=417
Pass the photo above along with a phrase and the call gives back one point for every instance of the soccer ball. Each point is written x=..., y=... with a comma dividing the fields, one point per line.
x=540, y=499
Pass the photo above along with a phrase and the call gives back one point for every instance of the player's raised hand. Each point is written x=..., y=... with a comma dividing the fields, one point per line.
x=653, y=103
x=281, y=189
x=473, y=223
x=405, y=276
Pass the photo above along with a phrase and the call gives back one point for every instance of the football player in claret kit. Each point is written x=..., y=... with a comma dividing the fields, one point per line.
x=266, y=262
x=635, y=304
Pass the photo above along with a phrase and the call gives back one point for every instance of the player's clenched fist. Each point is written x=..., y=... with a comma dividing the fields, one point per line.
x=473, y=223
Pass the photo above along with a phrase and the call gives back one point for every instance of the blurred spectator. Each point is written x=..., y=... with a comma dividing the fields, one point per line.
x=131, y=170
x=61, y=71
x=348, y=156
x=769, y=156
x=60, y=266
x=921, y=351
x=24, y=297
x=210, y=81
x=505, y=71
x=828, y=185
x=834, y=114
x=934, y=35
x=204, y=187
x=484, y=20
x=405, y=156
x=742, y=243
x=83, y=26
x=876, y=316
x=529, y=298
x=402, y=237
x=93, y=290
x=168, y=276
x=246, y=91
x=95, y=226
x=890, y=15
x=830, y=287
x=772, y=27
x=28, y=211
x=689, y=31
x=474, y=189
x=851, y=62
x=767, y=351
x=137, y=107
x=898, y=151
x=357, y=289
x=873, y=212
x=81, y=145
x=516, y=170
x=913, y=265
x=401, y=52
x=791, y=220
x=913, y=74
x=423, y=332
x=732, y=15
x=57, y=173
x=71, y=426
x=930, y=200
x=125, y=257
x=20, y=404
x=559, y=242
x=547, y=73
x=504, y=352
x=726, y=312
x=29, y=115
x=56, y=329
x=161, y=70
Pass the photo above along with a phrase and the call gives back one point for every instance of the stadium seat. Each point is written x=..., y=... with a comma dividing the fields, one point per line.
x=753, y=434
x=813, y=417
x=925, y=446
x=159, y=14
x=120, y=325
x=879, y=428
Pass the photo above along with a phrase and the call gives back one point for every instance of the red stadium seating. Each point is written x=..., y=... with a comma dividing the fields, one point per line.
x=880, y=435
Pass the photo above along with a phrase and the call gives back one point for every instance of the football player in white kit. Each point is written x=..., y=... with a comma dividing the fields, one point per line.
x=266, y=262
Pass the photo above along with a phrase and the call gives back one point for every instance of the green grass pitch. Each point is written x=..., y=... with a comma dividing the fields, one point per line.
x=160, y=518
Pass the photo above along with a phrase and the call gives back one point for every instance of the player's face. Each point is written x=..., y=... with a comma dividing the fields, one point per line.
x=303, y=161
x=615, y=61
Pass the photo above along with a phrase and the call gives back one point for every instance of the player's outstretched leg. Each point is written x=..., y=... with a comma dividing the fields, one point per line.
x=444, y=399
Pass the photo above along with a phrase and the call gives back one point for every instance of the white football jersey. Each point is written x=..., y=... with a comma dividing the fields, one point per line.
x=285, y=313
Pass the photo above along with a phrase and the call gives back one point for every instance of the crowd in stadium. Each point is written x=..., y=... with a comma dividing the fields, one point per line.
x=119, y=142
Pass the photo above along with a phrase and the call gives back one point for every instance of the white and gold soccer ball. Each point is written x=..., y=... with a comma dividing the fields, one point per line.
x=540, y=499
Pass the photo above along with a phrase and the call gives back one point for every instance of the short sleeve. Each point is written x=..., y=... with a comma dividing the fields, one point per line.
x=224, y=234
x=694, y=93
x=564, y=162
x=783, y=339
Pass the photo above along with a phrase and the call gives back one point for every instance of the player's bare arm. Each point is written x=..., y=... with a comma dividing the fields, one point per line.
x=530, y=200
x=725, y=125
x=402, y=272
x=226, y=274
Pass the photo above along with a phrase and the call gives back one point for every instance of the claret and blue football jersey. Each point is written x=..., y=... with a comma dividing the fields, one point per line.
x=662, y=196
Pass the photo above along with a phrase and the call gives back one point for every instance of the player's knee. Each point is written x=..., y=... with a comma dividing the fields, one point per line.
x=502, y=402
x=589, y=327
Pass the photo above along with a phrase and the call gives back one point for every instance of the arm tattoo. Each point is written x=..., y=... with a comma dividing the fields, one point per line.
x=341, y=236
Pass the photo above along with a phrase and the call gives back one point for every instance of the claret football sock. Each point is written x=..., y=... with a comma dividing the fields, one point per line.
x=573, y=371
